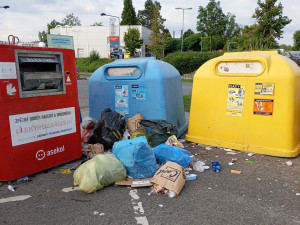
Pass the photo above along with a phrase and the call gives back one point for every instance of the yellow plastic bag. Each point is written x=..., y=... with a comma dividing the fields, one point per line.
x=100, y=171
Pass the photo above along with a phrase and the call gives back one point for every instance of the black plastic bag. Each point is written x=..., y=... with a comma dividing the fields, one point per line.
x=109, y=129
x=159, y=130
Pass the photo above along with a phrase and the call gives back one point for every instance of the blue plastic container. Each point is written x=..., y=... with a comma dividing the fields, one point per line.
x=139, y=85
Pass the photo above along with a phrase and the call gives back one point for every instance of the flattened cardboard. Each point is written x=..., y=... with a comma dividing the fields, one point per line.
x=143, y=182
x=134, y=125
x=171, y=176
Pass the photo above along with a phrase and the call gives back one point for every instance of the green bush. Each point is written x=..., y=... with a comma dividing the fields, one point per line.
x=89, y=66
x=94, y=55
x=187, y=62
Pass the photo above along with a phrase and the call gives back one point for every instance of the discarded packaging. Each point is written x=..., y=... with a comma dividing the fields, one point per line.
x=144, y=182
x=171, y=176
x=65, y=171
x=236, y=171
x=109, y=129
x=233, y=160
x=11, y=188
x=134, y=125
x=289, y=163
x=216, y=166
x=159, y=130
x=165, y=153
x=88, y=124
x=199, y=166
x=23, y=179
x=191, y=177
x=230, y=153
x=137, y=157
x=172, y=140
x=92, y=150
x=126, y=135
x=100, y=171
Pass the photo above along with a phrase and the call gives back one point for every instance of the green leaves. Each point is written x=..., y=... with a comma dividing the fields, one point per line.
x=128, y=14
x=132, y=41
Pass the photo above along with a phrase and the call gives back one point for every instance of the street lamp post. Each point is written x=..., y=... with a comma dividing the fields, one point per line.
x=103, y=14
x=182, y=24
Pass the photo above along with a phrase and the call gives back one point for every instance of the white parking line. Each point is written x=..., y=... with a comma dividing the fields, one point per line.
x=15, y=198
x=138, y=208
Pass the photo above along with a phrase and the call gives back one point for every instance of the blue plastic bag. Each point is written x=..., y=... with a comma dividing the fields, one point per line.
x=137, y=157
x=165, y=153
x=120, y=144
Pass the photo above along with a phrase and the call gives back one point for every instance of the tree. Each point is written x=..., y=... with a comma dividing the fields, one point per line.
x=172, y=45
x=166, y=32
x=97, y=24
x=144, y=16
x=232, y=28
x=296, y=37
x=211, y=20
x=157, y=38
x=249, y=40
x=71, y=20
x=192, y=43
x=132, y=41
x=270, y=22
x=128, y=15
x=43, y=34
x=188, y=33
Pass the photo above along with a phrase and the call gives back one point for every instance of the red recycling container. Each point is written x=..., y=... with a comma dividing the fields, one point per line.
x=39, y=110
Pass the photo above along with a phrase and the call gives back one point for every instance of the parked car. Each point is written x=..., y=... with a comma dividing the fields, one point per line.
x=290, y=56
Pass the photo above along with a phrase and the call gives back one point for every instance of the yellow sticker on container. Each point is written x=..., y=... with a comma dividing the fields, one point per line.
x=264, y=88
x=235, y=100
x=263, y=107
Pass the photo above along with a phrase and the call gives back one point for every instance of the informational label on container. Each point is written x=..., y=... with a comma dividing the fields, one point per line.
x=8, y=70
x=264, y=88
x=235, y=100
x=121, y=99
x=263, y=107
x=138, y=92
x=36, y=126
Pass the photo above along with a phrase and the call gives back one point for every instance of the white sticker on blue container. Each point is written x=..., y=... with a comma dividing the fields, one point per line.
x=121, y=99
x=138, y=92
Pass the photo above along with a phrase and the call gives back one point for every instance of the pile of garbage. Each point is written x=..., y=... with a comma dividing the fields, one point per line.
x=136, y=152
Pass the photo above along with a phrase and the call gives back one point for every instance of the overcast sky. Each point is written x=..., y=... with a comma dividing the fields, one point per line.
x=25, y=18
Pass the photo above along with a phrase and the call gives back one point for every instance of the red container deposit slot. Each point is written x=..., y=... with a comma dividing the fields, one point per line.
x=39, y=110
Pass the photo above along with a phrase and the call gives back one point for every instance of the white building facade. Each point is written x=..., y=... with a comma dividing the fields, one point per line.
x=89, y=38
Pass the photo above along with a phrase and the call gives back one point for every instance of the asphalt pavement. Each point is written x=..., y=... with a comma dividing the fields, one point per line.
x=267, y=191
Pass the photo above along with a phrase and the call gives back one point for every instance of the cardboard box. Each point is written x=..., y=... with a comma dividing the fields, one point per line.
x=171, y=176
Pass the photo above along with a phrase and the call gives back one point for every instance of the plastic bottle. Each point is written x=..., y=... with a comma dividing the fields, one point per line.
x=152, y=191
x=11, y=188
x=171, y=194
x=216, y=166
x=198, y=166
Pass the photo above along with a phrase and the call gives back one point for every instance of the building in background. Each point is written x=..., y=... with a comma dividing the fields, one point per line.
x=89, y=38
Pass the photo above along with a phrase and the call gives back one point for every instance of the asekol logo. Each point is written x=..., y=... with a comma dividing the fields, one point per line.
x=41, y=154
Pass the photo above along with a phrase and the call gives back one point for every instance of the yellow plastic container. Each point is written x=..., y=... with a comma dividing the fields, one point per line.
x=126, y=55
x=248, y=101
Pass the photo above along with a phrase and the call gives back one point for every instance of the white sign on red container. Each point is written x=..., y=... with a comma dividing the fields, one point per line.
x=31, y=127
